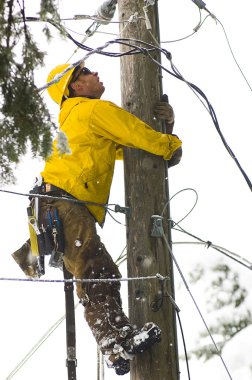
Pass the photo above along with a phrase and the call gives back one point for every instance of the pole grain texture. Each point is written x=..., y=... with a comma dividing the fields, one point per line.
x=146, y=192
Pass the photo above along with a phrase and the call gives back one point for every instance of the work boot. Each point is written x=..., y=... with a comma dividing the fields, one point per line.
x=120, y=364
x=115, y=336
x=136, y=342
x=141, y=340
x=27, y=262
x=108, y=323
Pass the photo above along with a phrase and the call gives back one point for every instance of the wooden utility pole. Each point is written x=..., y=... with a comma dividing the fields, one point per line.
x=146, y=194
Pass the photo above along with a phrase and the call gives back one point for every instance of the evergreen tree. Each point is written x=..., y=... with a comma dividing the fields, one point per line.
x=24, y=118
x=226, y=307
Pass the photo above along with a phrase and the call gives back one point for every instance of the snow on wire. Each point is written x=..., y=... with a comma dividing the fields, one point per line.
x=158, y=276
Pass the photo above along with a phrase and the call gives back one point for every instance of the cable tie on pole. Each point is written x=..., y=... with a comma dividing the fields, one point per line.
x=200, y=4
x=147, y=20
x=208, y=244
x=150, y=2
x=133, y=18
x=162, y=278
x=168, y=55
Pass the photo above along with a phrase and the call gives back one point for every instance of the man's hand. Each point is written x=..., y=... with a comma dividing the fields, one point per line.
x=164, y=111
x=176, y=157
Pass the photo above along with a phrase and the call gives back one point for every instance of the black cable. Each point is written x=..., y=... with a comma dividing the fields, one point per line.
x=67, y=199
x=135, y=49
x=117, y=221
x=213, y=116
x=184, y=345
x=199, y=91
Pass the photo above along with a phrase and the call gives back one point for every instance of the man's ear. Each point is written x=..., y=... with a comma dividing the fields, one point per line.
x=74, y=86
x=77, y=87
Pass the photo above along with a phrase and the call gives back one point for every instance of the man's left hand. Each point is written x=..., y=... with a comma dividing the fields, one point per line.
x=164, y=111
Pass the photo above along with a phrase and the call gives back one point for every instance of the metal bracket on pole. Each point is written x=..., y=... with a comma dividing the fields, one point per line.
x=71, y=361
x=123, y=210
x=157, y=226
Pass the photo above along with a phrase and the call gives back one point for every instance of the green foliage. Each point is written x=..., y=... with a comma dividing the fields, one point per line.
x=48, y=8
x=225, y=302
x=24, y=118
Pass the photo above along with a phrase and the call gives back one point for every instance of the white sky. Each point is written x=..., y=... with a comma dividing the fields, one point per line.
x=222, y=214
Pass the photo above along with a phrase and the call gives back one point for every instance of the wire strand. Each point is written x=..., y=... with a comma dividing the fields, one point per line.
x=85, y=280
x=67, y=199
x=231, y=50
x=37, y=345
x=234, y=256
x=184, y=345
x=195, y=30
x=195, y=303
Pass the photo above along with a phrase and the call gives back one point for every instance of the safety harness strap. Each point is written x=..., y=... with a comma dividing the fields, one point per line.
x=71, y=361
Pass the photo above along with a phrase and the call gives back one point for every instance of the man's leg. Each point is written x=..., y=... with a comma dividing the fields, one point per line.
x=86, y=258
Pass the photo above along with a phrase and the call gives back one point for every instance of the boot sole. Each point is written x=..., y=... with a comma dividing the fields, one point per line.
x=143, y=340
x=120, y=365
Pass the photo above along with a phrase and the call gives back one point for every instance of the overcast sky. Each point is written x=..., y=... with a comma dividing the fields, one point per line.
x=222, y=214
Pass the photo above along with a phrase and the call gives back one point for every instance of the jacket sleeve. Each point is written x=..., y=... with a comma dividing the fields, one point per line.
x=116, y=124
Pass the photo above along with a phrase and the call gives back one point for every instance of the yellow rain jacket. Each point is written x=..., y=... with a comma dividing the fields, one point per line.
x=96, y=129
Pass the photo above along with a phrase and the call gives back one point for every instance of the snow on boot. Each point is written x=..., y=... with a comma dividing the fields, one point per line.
x=108, y=324
x=27, y=262
x=120, y=364
x=142, y=340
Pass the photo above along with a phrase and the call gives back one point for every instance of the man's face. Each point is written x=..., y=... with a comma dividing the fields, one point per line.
x=87, y=83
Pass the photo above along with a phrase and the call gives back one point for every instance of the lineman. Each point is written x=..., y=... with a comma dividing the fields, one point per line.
x=96, y=130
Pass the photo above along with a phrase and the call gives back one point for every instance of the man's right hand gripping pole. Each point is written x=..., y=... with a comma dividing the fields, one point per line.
x=164, y=112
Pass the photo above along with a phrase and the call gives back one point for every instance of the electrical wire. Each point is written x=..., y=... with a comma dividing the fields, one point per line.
x=195, y=30
x=231, y=50
x=184, y=345
x=97, y=31
x=74, y=18
x=146, y=48
x=194, y=301
x=227, y=39
x=214, y=119
x=106, y=206
x=158, y=276
x=42, y=340
x=48, y=333
x=117, y=221
x=202, y=5
x=224, y=251
x=122, y=257
x=144, y=51
x=176, y=194
x=207, y=243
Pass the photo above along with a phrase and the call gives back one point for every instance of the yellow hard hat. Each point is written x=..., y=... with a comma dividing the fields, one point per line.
x=60, y=89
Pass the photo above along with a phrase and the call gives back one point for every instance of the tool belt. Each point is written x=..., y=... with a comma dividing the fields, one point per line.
x=46, y=230
x=49, y=189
